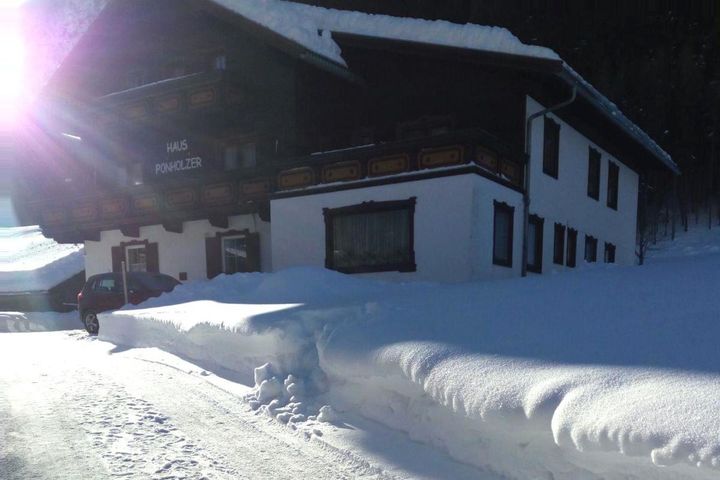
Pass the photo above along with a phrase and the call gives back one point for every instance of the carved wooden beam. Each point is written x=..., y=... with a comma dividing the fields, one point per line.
x=219, y=221
x=173, y=227
x=130, y=231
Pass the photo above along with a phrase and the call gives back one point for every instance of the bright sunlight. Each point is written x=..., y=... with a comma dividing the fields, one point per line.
x=12, y=61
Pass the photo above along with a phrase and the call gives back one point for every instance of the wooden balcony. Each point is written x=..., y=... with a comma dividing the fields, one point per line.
x=181, y=95
x=217, y=195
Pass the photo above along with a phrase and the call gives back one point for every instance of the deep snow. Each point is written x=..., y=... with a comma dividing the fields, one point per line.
x=29, y=262
x=601, y=373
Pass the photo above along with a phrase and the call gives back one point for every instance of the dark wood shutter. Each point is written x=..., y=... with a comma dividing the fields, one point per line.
x=612, y=192
x=551, y=148
x=213, y=259
x=253, y=252
x=559, y=244
x=593, y=188
x=117, y=258
x=571, y=247
x=153, y=258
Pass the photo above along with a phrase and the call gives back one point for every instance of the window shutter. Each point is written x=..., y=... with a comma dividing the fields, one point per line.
x=253, y=252
x=117, y=258
x=213, y=259
x=153, y=259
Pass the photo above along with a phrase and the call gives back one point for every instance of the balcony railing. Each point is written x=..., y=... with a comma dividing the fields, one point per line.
x=219, y=194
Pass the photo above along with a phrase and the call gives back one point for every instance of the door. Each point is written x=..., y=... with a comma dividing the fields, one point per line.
x=107, y=293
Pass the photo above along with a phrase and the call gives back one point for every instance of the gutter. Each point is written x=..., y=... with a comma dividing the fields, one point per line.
x=528, y=153
x=613, y=113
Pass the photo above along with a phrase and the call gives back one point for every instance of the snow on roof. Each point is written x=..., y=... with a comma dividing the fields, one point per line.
x=310, y=26
x=29, y=262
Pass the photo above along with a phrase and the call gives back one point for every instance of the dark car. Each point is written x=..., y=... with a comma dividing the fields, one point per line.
x=105, y=292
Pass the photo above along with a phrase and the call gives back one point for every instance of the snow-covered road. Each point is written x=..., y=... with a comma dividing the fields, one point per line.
x=75, y=407
x=71, y=408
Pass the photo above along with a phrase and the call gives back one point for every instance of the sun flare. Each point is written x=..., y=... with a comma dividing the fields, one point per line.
x=12, y=60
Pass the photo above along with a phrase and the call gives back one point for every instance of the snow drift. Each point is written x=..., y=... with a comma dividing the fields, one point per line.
x=608, y=372
x=29, y=262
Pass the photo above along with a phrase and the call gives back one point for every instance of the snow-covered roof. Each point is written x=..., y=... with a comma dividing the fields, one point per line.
x=29, y=262
x=312, y=27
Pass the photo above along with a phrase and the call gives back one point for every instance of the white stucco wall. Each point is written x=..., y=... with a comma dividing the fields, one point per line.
x=564, y=200
x=453, y=227
x=178, y=252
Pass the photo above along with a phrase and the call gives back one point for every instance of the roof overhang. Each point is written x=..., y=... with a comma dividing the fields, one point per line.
x=551, y=67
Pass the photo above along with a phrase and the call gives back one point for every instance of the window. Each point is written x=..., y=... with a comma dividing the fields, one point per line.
x=571, y=258
x=136, y=258
x=609, y=253
x=612, y=192
x=106, y=285
x=240, y=155
x=371, y=237
x=220, y=62
x=593, y=187
x=535, y=244
x=234, y=254
x=590, y=249
x=503, y=234
x=559, y=244
x=551, y=148
x=231, y=252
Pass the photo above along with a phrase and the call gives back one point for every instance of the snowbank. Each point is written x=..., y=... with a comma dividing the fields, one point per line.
x=243, y=320
x=601, y=373
x=38, y=321
x=29, y=262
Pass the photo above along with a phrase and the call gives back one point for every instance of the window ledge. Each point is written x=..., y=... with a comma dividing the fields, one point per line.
x=402, y=267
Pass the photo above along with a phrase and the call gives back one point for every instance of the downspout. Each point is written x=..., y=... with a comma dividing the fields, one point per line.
x=528, y=152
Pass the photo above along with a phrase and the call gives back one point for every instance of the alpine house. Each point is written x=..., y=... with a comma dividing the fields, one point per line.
x=197, y=137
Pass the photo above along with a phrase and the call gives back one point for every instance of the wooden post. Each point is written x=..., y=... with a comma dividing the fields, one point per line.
x=124, y=279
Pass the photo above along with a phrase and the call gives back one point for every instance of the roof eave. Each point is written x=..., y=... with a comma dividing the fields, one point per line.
x=601, y=104
x=488, y=57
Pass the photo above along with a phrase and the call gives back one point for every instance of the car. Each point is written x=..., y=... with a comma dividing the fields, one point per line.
x=104, y=292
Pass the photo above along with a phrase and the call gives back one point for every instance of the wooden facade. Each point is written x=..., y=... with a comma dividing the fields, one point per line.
x=167, y=94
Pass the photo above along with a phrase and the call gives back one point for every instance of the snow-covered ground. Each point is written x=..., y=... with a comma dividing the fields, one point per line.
x=29, y=262
x=608, y=372
x=73, y=407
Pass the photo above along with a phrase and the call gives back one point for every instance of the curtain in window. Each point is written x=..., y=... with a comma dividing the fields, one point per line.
x=371, y=239
x=234, y=255
x=532, y=259
x=137, y=260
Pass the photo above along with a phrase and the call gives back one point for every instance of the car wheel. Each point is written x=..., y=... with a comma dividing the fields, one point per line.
x=90, y=320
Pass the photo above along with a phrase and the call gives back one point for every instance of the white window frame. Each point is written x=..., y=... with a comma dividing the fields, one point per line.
x=222, y=248
x=127, y=256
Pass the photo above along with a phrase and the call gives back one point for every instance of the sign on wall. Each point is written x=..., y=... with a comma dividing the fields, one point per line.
x=180, y=155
